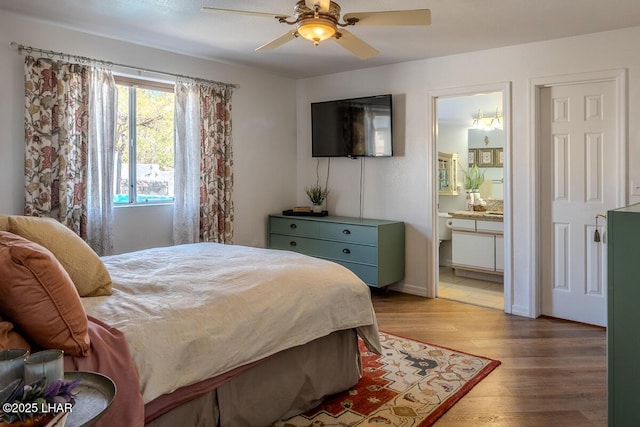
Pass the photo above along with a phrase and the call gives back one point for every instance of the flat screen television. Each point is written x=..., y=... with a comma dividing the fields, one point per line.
x=356, y=127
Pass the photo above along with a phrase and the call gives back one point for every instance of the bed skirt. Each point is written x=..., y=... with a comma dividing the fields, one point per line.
x=280, y=386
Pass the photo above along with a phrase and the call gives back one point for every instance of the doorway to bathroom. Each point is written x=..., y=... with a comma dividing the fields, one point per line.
x=471, y=226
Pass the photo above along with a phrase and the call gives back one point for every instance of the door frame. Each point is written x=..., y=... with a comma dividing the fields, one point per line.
x=619, y=78
x=433, y=96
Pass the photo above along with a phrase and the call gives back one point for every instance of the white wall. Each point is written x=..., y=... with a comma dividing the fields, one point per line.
x=263, y=130
x=396, y=188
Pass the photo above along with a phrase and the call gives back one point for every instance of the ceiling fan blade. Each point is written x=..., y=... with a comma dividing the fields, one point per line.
x=323, y=5
x=241, y=12
x=356, y=45
x=392, y=17
x=286, y=37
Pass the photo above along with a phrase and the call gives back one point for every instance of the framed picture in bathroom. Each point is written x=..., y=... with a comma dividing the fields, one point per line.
x=473, y=156
x=485, y=157
x=498, y=157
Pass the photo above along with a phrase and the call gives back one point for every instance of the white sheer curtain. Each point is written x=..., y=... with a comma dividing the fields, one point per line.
x=186, y=209
x=101, y=146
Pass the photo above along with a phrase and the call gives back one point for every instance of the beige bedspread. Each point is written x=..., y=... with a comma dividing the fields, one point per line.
x=191, y=312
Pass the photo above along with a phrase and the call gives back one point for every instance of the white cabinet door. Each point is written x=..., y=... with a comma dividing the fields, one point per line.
x=500, y=254
x=473, y=250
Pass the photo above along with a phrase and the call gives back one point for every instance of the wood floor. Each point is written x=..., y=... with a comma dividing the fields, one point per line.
x=553, y=372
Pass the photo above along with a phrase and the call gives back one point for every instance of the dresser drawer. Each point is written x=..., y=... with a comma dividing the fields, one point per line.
x=367, y=273
x=326, y=249
x=324, y=230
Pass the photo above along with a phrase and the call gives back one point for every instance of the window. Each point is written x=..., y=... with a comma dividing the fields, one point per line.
x=144, y=160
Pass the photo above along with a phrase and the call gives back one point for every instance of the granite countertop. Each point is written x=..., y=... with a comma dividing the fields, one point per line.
x=485, y=216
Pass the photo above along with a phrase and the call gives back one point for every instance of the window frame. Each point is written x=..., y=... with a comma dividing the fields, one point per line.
x=133, y=84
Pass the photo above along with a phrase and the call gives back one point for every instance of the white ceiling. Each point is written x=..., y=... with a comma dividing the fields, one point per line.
x=457, y=26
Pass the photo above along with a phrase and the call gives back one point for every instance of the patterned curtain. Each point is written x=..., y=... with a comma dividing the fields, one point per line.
x=216, y=164
x=56, y=116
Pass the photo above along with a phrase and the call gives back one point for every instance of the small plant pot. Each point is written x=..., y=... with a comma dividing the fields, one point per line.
x=316, y=208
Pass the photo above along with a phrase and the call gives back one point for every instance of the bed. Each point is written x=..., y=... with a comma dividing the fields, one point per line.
x=209, y=334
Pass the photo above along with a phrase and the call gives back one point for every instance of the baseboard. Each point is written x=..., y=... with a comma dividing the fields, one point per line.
x=406, y=288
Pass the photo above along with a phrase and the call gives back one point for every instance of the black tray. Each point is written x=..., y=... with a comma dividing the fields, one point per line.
x=291, y=212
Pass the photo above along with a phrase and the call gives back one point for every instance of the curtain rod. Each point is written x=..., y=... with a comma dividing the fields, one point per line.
x=84, y=59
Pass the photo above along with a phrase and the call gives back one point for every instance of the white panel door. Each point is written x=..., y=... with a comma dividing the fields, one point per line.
x=578, y=182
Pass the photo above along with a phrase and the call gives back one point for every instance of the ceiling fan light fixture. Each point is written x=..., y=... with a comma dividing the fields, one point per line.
x=316, y=29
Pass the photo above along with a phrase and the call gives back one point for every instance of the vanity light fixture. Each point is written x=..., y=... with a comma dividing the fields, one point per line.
x=478, y=122
x=496, y=121
x=488, y=122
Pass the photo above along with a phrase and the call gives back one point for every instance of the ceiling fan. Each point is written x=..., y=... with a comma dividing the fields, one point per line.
x=319, y=20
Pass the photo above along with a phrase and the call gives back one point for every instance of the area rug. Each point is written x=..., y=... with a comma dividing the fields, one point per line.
x=411, y=384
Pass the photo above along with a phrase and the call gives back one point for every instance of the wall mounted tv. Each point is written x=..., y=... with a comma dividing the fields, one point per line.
x=357, y=127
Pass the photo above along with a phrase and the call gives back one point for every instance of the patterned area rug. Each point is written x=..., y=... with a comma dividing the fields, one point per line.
x=410, y=384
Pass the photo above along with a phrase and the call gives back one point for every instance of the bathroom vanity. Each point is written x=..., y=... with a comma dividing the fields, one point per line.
x=477, y=241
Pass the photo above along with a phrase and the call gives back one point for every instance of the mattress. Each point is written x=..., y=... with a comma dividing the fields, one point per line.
x=192, y=312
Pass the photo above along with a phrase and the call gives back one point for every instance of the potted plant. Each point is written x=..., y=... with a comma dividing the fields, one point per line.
x=37, y=404
x=317, y=194
x=473, y=179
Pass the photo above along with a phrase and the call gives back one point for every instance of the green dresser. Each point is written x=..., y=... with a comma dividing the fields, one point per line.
x=373, y=249
x=623, y=316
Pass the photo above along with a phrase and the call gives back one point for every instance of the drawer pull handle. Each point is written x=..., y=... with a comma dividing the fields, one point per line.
x=346, y=251
x=293, y=243
x=346, y=232
x=293, y=226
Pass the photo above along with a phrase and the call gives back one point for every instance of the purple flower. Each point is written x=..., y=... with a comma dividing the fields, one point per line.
x=61, y=392
x=53, y=388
